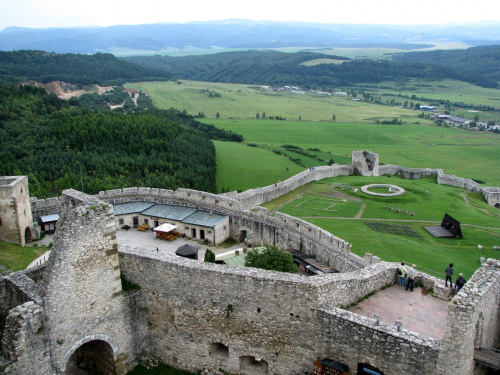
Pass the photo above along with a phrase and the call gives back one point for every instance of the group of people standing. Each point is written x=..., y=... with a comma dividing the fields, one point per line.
x=406, y=277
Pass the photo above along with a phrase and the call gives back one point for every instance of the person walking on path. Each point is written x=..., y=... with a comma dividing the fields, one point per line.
x=449, y=272
x=410, y=281
x=460, y=282
x=402, y=272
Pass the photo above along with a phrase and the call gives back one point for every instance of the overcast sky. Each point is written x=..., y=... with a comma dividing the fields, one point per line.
x=57, y=13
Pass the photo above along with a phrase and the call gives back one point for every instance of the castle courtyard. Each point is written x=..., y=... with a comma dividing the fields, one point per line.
x=418, y=310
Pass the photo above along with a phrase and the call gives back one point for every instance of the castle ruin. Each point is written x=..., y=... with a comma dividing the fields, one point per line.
x=115, y=305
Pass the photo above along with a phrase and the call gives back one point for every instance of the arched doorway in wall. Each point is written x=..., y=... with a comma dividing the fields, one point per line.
x=28, y=235
x=92, y=358
x=250, y=365
x=366, y=369
x=243, y=236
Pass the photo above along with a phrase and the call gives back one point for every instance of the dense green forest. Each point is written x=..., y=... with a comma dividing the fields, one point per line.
x=61, y=144
x=277, y=68
x=480, y=61
x=101, y=68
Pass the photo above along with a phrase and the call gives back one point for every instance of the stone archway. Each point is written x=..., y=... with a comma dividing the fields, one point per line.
x=94, y=354
x=92, y=358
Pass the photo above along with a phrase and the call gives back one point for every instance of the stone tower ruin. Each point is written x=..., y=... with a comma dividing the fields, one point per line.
x=365, y=163
x=16, y=221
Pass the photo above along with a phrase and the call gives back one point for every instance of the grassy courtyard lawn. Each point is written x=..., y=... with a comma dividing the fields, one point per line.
x=16, y=258
x=332, y=205
x=432, y=255
x=321, y=206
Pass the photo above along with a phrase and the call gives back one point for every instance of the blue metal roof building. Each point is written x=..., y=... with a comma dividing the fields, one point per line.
x=131, y=207
x=167, y=211
x=204, y=219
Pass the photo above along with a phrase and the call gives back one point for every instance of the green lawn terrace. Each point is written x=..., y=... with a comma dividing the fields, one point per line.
x=339, y=206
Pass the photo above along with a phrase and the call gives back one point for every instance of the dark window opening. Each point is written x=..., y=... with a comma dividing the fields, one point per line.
x=218, y=349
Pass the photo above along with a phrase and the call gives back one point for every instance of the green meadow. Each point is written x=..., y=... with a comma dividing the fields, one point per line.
x=240, y=167
x=463, y=153
x=245, y=101
x=334, y=205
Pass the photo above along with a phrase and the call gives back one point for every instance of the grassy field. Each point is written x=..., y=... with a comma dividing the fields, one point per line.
x=245, y=101
x=16, y=257
x=463, y=153
x=322, y=61
x=240, y=167
x=337, y=210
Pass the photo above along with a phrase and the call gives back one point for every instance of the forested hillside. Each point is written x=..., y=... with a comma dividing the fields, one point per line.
x=276, y=68
x=481, y=61
x=60, y=144
x=101, y=68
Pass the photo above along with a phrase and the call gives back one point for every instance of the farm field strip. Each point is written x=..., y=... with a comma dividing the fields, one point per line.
x=245, y=101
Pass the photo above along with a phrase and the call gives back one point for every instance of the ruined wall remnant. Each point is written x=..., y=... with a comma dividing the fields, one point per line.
x=194, y=315
x=24, y=341
x=365, y=163
x=492, y=195
x=207, y=315
x=473, y=321
x=83, y=300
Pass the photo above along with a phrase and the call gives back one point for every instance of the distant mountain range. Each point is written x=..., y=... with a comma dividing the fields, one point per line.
x=241, y=34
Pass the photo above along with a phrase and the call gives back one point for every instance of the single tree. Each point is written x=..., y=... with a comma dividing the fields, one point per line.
x=257, y=115
x=209, y=256
x=271, y=258
x=334, y=117
x=217, y=115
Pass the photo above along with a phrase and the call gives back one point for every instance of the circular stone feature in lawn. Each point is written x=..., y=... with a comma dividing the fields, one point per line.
x=394, y=190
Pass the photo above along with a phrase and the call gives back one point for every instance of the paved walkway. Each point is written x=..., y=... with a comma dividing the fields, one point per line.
x=418, y=310
x=147, y=240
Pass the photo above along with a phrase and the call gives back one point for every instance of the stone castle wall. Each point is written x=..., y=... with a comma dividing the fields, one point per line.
x=408, y=173
x=24, y=341
x=44, y=207
x=451, y=180
x=357, y=339
x=473, y=321
x=492, y=195
x=254, y=197
x=16, y=289
x=83, y=298
x=194, y=309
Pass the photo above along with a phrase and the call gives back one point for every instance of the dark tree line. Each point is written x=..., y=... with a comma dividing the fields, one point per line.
x=61, y=144
x=482, y=63
x=101, y=68
x=277, y=68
